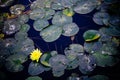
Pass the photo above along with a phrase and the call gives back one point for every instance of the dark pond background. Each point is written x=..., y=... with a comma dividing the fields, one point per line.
x=85, y=22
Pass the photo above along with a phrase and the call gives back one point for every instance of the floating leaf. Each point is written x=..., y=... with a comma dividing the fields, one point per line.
x=56, y=5
x=73, y=51
x=87, y=63
x=70, y=29
x=53, y=53
x=114, y=20
x=110, y=48
x=58, y=62
x=73, y=64
x=37, y=14
x=45, y=59
x=57, y=73
x=17, y=57
x=35, y=68
x=104, y=37
x=12, y=67
x=23, y=19
x=51, y=33
x=20, y=36
x=14, y=62
x=113, y=31
x=49, y=13
x=40, y=24
x=101, y=18
x=105, y=60
x=24, y=47
x=25, y=28
x=34, y=78
x=93, y=47
x=91, y=35
x=11, y=26
x=60, y=19
x=84, y=7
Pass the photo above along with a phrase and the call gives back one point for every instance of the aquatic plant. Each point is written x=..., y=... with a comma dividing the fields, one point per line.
x=35, y=55
x=55, y=20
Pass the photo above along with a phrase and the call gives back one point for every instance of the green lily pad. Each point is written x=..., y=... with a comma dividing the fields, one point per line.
x=40, y=24
x=34, y=78
x=17, y=57
x=45, y=59
x=51, y=33
x=25, y=28
x=70, y=29
x=61, y=19
x=91, y=35
x=23, y=19
x=73, y=51
x=72, y=64
x=14, y=62
x=37, y=14
x=105, y=60
x=35, y=68
x=58, y=73
x=14, y=66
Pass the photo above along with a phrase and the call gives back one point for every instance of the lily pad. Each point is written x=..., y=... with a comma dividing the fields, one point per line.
x=87, y=63
x=12, y=67
x=35, y=68
x=58, y=62
x=11, y=26
x=51, y=33
x=105, y=60
x=34, y=78
x=91, y=35
x=40, y=24
x=73, y=51
x=73, y=64
x=93, y=47
x=101, y=18
x=114, y=20
x=14, y=62
x=25, y=28
x=84, y=7
x=45, y=59
x=37, y=14
x=70, y=29
x=22, y=19
x=20, y=58
x=21, y=36
x=60, y=19
x=57, y=73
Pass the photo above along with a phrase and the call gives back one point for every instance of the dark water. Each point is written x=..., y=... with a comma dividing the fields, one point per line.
x=84, y=22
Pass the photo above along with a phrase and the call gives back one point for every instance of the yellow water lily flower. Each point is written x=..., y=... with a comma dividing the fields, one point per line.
x=35, y=55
